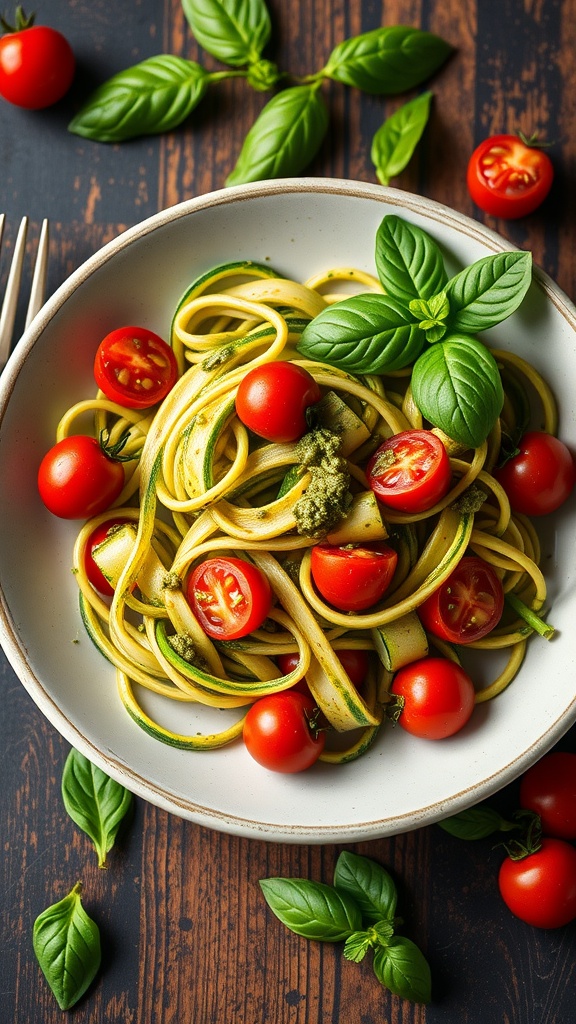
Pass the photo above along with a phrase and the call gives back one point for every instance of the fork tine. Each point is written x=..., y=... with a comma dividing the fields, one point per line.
x=8, y=314
x=38, y=287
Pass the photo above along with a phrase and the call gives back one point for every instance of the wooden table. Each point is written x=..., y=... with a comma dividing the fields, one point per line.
x=186, y=936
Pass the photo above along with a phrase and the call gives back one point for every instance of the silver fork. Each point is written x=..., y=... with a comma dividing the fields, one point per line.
x=37, y=289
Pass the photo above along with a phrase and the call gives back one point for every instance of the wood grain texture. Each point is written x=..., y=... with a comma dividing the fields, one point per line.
x=187, y=936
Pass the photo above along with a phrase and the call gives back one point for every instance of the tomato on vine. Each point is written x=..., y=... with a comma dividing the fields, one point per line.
x=37, y=64
x=509, y=176
x=281, y=732
x=80, y=476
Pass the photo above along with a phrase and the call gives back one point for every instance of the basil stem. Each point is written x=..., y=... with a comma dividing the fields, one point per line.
x=387, y=60
x=395, y=141
x=151, y=97
x=233, y=31
x=312, y=909
x=67, y=946
x=95, y=802
x=531, y=618
x=284, y=138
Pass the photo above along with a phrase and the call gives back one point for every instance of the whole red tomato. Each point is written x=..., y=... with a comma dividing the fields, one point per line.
x=352, y=578
x=549, y=789
x=540, y=477
x=37, y=64
x=273, y=399
x=78, y=478
x=356, y=664
x=540, y=888
x=281, y=732
x=437, y=697
x=410, y=471
x=508, y=176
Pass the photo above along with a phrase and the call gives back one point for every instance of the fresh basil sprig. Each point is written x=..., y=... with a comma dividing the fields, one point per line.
x=67, y=946
x=455, y=382
x=358, y=909
x=394, y=143
x=386, y=61
x=154, y=96
x=233, y=31
x=94, y=801
x=284, y=138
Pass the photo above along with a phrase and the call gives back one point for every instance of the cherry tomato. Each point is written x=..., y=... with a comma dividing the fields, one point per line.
x=78, y=479
x=36, y=64
x=467, y=606
x=355, y=663
x=507, y=177
x=438, y=697
x=549, y=789
x=135, y=367
x=230, y=597
x=93, y=573
x=280, y=732
x=352, y=578
x=541, y=888
x=540, y=477
x=272, y=400
x=410, y=471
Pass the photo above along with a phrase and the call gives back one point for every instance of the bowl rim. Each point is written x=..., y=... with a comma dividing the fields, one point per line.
x=14, y=647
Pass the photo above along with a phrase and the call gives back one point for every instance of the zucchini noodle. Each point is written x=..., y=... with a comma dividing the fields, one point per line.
x=197, y=485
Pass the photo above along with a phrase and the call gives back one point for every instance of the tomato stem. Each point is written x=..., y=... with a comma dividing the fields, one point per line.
x=22, y=21
x=531, y=840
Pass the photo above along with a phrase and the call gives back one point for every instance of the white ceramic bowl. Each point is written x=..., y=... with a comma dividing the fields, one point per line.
x=300, y=226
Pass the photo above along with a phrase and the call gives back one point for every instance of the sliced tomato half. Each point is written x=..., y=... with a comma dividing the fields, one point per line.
x=230, y=597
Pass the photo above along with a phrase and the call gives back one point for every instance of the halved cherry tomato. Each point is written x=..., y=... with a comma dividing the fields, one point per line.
x=79, y=478
x=352, y=578
x=437, y=697
x=273, y=399
x=410, y=471
x=230, y=597
x=540, y=888
x=356, y=664
x=540, y=477
x=281, y=733
x=467, y=606
x=135, y=367
x=94, y=574
x=507, y=177
x=549, y=789
x=37, y=64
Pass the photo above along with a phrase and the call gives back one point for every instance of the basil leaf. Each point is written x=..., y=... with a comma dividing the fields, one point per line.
x=312, y=909
x=456, y=385
x=67, y=946
x=367, y=333
x=488, y=291
x=284, y=138
x=387, y=60
x=368, y=884
x=95, y=802
x=233, y=31
x=395, y=141
x=403, y=969
x=475, y=823
x=151, y=97
x=409, y=262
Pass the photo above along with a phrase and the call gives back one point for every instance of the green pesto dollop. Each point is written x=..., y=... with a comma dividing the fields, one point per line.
x=327, y=497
